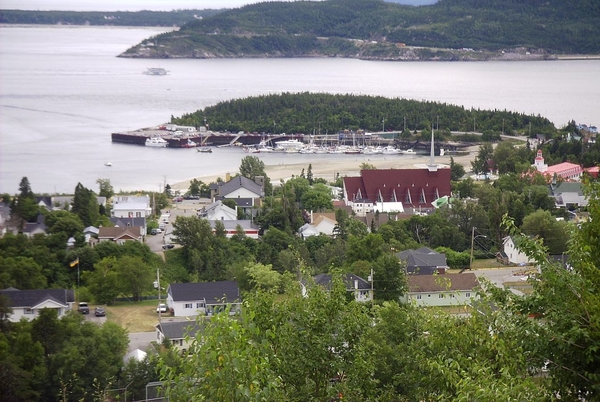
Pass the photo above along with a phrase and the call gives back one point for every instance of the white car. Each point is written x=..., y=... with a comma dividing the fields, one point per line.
x=161, y=308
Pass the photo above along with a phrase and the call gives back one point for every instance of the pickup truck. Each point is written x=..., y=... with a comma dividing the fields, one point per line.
x=83, y=308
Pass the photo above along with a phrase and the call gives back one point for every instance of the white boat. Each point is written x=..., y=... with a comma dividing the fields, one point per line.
x=390, y=150
x=157, y=142
x=108, y=164
x=155, y=71
x=409, y=152
x=204, y=149
x=290, y=144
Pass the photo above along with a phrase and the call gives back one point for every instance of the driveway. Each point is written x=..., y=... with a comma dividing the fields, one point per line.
x=498, y=276
x=140, y=340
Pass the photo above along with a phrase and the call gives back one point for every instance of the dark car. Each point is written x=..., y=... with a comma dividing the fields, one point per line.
x=99, y=312
x=168, y=246
x=83, y=308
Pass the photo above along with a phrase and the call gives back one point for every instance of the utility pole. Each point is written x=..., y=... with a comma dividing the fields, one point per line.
x=372, y=294
x=383, y=124
x=472, y=244
x=158, y=283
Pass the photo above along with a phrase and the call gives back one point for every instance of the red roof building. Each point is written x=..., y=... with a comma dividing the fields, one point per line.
x=408, y=190
x=566, y=170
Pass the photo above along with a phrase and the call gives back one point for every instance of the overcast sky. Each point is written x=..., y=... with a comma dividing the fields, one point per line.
x=120, y=5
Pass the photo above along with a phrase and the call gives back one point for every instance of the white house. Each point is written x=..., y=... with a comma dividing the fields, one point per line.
x=28, y=303
x=217, y=211
x=202, y=298
x=321, y=225
x=441, y=290
x=240, y=187
x=514, y=255
x=355, y=284
x=130, y=206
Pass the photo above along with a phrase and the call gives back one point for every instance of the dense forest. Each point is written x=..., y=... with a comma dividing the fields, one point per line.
x=114, y=18
x=376, y=29
x=325, y=113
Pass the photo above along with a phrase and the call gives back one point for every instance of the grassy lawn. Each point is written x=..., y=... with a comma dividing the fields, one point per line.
x=490, y=263
x=134, y=317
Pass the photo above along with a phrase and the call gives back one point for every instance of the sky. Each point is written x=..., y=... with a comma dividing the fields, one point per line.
x=136, y=5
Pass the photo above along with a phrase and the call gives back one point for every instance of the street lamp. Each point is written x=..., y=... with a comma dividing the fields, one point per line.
x=473, y=237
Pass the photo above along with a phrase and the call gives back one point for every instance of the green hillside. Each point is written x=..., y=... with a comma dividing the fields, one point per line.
x=374, y=29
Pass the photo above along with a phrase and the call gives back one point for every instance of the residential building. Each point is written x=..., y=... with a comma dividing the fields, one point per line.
x=231, y=228
x=513, y=254
x=442, y=290
x=120, y=235
x=217, y=211
x=423, y=261
x=176, y=332
x=322, y=224
x=361, y=289
x=127, y=222
x=202, y=298
x=568, y=194
x=27, y=304
x=30, y=229
x=130, y=206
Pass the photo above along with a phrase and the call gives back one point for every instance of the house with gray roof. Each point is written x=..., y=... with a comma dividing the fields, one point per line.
x=423, y=261
x=126, y=222
x=120, y=235
x=30, y=229
x=354, y=284
x=568, y=194
x=27, y=304
x=217, y=211
x=203, y=298
x=442, y=290
x=245, y=192
x=176, y=331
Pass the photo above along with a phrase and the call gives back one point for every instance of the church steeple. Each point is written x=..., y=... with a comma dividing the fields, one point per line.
x=432, y=166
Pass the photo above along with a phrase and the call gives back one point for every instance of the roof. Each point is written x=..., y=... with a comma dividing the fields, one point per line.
x=562, y=167
x=423, y=261
x=209, y=291
x=117, y=233
x=128, y=222
x=218, y=207
x=178, y=329
x=411, y=187
x=350, y=280
x=240, y=182
x=442, y=283
x=232, y=225
x=31, y=298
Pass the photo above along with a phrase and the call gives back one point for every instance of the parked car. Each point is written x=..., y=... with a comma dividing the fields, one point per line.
x=161, y=308
x=168, y=246
x=83, y=308
x=156, y=231
x=99, y=312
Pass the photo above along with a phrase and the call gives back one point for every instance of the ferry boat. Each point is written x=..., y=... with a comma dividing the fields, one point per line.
x=157, y=142
x=155, y=71
x=290, y=144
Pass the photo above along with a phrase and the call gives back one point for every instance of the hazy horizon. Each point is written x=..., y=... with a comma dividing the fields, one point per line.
x=152, y=5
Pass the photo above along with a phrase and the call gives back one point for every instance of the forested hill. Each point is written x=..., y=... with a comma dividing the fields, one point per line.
x=312, y=112
x=374, y=29
x=115, y=18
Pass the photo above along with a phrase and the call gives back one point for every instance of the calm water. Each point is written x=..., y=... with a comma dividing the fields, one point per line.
x=63, y=91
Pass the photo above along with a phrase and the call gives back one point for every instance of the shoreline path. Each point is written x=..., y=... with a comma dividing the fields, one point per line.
x=350, y=167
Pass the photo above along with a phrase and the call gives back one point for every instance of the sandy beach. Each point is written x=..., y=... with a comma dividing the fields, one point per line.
x=349, y=167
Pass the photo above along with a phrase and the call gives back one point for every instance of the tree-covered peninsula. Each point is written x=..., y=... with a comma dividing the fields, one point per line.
x=378, y=30
x=326, y=113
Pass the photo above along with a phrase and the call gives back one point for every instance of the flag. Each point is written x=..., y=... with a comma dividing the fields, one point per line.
x=73, y=263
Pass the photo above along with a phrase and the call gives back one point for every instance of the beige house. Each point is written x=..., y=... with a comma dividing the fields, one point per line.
x=442, y=290
x=120, y=235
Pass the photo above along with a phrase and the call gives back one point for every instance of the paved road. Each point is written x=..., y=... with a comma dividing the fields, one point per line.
x=501, y=275
x=140, y=340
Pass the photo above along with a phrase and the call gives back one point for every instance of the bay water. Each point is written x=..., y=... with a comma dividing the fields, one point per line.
x=63, y=91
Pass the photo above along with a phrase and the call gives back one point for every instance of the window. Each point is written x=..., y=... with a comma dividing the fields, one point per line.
x=468, y=294
x=428, y=295
x=188, y=305
x=200, y=305
x=28, y=311
x=441, y=296
x=418, y=297
x=138, y=214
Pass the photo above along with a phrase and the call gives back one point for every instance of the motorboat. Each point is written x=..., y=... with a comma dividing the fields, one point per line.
x=189, y=144
x=157, y=142
x=409, y=152
x=155, y=71
x=390, y=150
x=204, y=149
x=108, y=164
